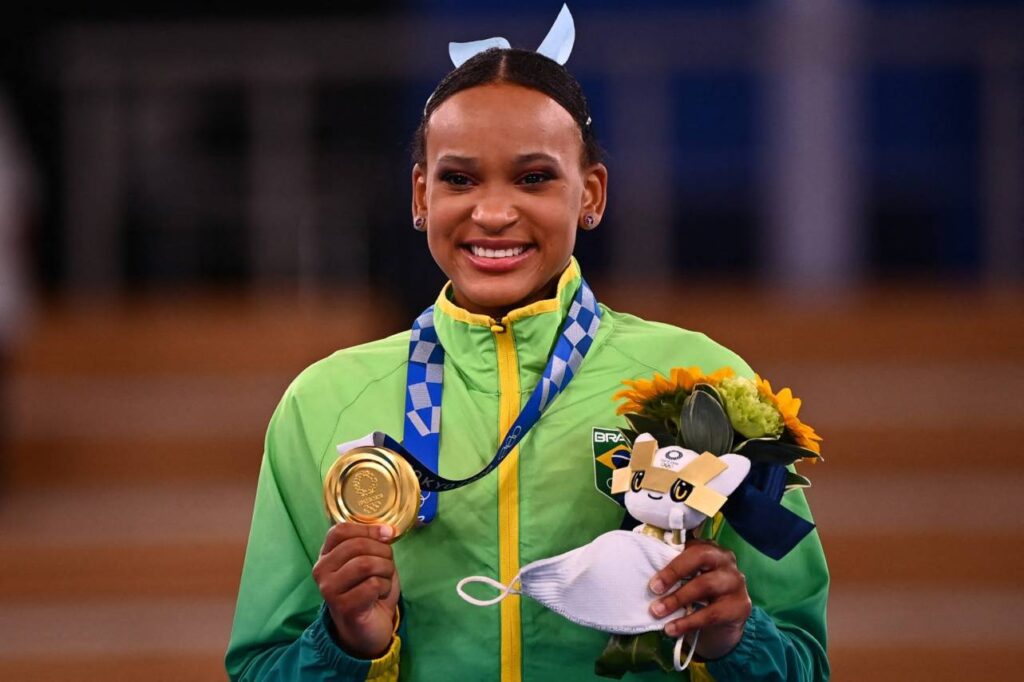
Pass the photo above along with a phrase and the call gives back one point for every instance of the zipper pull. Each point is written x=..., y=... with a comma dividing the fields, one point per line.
x=498, y=328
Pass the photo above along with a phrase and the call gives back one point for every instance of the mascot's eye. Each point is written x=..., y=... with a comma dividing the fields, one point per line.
x=634, y=483
x=680, y=490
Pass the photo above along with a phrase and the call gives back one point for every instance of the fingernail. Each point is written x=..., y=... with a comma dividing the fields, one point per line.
x=658, y=608
x=386, y=532
x=657, y=587
x=672, y=630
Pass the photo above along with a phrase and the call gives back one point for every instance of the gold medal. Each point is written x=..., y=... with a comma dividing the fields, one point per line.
x=373, y=485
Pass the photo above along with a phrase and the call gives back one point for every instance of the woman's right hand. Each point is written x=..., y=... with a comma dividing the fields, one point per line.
x=357, y=577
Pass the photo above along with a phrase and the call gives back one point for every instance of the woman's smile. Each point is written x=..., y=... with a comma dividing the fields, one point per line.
x=497, y=255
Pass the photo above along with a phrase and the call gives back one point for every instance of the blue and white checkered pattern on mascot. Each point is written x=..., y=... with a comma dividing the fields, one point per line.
x=425, y=382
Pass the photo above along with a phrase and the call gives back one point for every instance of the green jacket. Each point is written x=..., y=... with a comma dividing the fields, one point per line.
x=542, y=501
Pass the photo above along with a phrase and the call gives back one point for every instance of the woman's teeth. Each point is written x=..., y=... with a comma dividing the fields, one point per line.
x=481, y=252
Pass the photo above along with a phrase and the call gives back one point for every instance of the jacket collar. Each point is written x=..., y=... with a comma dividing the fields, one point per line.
x=469, y=338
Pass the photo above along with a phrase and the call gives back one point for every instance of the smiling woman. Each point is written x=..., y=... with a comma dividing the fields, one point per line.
x=502, y=188
x=506, y=170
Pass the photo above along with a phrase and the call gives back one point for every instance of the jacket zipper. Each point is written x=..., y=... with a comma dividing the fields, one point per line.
x=508, y=502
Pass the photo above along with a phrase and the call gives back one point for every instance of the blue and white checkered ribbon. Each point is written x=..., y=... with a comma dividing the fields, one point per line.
x=425, y=380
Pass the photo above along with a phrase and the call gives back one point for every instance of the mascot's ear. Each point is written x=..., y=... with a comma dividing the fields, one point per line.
x=620, y=480
x=640, y=459
x=737, y=469
x=644, y=448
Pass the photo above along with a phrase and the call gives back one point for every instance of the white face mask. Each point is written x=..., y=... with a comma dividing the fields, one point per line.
x=602, y=585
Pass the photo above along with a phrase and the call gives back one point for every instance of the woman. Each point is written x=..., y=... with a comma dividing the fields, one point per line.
x=506, y=170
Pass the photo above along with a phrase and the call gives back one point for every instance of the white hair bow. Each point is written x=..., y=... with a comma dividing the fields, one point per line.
x=557, y=45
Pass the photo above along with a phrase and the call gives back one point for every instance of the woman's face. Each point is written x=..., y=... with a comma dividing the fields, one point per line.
x=503, y=192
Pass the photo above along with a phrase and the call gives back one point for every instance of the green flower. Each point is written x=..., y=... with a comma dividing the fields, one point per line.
x=749, y=413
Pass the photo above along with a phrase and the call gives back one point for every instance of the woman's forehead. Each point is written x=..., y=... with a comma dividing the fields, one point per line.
x=502, y=119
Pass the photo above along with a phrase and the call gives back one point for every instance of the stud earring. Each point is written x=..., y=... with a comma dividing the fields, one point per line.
x=419, y=224
x=589, y=221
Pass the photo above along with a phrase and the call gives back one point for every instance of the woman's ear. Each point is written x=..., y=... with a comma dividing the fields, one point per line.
x=595, y=192
x=419, y=192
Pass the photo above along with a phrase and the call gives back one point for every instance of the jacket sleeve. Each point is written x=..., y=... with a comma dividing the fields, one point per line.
x=785, y=637
x=281, y=627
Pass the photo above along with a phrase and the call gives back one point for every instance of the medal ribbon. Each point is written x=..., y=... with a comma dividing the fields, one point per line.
x=425, y=380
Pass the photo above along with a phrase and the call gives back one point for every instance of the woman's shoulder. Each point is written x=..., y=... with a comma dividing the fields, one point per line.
x=627, y=324
x=659, y=346
x=345, y=373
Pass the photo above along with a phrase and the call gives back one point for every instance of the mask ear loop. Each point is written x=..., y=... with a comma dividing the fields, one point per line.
x=678, y=650
x=504, y=589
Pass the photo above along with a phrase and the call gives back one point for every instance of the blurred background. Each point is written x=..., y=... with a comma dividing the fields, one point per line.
x=197, y=201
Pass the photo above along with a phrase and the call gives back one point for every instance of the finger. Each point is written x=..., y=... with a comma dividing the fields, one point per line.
x=347, y=561
x=704, y=556
x=723, y=611
x=349, y=549
x=362, y=597
x=396, y=590
x=707, y=587
x=355, y=572
x=340, y=532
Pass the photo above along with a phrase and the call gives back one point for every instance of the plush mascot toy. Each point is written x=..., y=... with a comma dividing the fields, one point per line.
x=671, y=491
x=604, y=584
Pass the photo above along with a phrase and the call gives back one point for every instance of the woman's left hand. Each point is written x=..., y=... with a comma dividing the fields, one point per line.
x=718, y=583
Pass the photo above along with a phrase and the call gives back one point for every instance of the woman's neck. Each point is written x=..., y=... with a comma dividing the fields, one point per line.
x=549, y=290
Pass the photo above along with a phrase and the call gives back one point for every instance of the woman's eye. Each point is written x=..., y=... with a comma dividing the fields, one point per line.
x=457, y=179
x=680, y=490
x=535, y=178
x=634, y=483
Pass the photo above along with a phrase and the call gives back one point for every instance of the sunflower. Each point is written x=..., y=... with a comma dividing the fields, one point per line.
x=643, y=391
x=789, y=407
x=643, y=394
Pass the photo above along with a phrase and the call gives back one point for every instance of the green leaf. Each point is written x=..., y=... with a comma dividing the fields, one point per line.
x=787, y=437
x=635, y=653
x=704, y=426
x=773, y=451
x=641, y=423
x=795, y=481
x=710, y=390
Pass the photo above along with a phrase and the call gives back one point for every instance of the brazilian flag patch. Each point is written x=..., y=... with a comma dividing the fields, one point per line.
x=610, y=448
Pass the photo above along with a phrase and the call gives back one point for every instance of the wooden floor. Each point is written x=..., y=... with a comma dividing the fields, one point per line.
x=137, y=431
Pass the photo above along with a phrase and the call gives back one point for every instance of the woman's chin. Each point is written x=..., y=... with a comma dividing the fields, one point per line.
x=495, y=293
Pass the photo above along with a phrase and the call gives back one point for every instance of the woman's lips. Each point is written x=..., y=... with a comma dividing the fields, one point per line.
x=497, y=264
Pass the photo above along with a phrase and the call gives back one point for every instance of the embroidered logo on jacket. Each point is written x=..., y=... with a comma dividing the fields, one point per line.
x=609, y=446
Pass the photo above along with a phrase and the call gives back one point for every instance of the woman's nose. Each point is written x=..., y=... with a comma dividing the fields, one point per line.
x=494, y=213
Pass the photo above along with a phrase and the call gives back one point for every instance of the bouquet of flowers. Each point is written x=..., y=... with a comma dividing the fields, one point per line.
x=720, y=413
